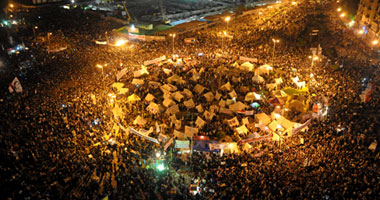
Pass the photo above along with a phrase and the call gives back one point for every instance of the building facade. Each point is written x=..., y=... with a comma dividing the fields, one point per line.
x=368, y=16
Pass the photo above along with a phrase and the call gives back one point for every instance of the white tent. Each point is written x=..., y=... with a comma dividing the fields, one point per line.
x=237, y=106
x=252, y=96
x=278, y=81
x=222, y=103
x=208, y=115
x=199, y=122
x=153, y=108
x=137, y=81
x=139, y=120
x=189, y=103
x=258, y=79
x=173, y=109
x=188, y=93
x=226, y=86
x=217, y=96
x=178, y=96
x=247, y=66
x=209, y=96
x=149, y=97
x=199, y=89
x=242, y=129
x=199, y=108
x=263, y=69
x=263, y=118
x=232, y=94
x=168, y=102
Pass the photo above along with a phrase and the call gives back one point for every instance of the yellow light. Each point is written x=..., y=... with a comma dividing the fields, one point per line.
x=351, y=23
x=260, y=13
x=99, y=66
x=315, y=58
x=311, y=75
x=227, y=19
x=360, y=32
x=275, y=41
x=294, y=3
x=277, y=115
x=172, y=35
x=339, y=9
x=342, y=15
x=11, y=5
x=270, y=6
x=375, y=42
x=120, y=42
x=36, y=27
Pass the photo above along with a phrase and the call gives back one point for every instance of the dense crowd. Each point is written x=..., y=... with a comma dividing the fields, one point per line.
x=58, y=141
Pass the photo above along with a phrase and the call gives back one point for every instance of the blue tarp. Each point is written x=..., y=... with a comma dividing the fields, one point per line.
x=202, y=145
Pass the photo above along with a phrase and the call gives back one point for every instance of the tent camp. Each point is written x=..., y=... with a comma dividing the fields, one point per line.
x=140, y=72
x=117, y=85
x=242, y=129
x=133, y=98
x=199, y=108
x=190, y=131
x=232, y=94
x=222, y=103
x=217, y=96
x=208, y=115
x=199, y=122
x=188, y=93
x=278, y=81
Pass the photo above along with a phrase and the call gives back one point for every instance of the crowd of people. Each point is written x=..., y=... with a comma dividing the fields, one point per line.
x=60, y=138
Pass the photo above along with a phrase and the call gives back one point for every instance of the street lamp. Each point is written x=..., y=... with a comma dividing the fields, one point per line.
x=34, y=31
x=101, y=67
x=360, y=32
x=227, y=19
x=342, y=15
x=173, y=36
x=339, y=9
x=274, y=48
x=375, y=42
x=11, y=5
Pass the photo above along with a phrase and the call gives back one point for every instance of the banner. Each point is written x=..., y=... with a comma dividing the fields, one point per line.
x=245, y=112
x=155, y=61
x=168, y=144
x=215, y=146
x=298, y=129
x=243, y=58
x=182, y=144
x=121, y=73
x=132, y=130
x=262, y=138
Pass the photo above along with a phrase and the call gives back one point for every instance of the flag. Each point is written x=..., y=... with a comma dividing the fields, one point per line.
x=15, y=86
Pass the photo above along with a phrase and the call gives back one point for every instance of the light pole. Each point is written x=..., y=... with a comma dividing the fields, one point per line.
x=101, y=67
x=227, y=19
x=34, y=31
x=173, y=36
x=274, y=48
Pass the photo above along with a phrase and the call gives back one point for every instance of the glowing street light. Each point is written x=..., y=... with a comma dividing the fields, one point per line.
x=342, y=15
x=11, y=5
x=120, y=42
x=361, y=32
x=274, y=48
x=339, y=9
x=375, y=42
x=34, y=31
x=294, y=3
x=227, y=19
x=173, y=36
x=351, y=23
